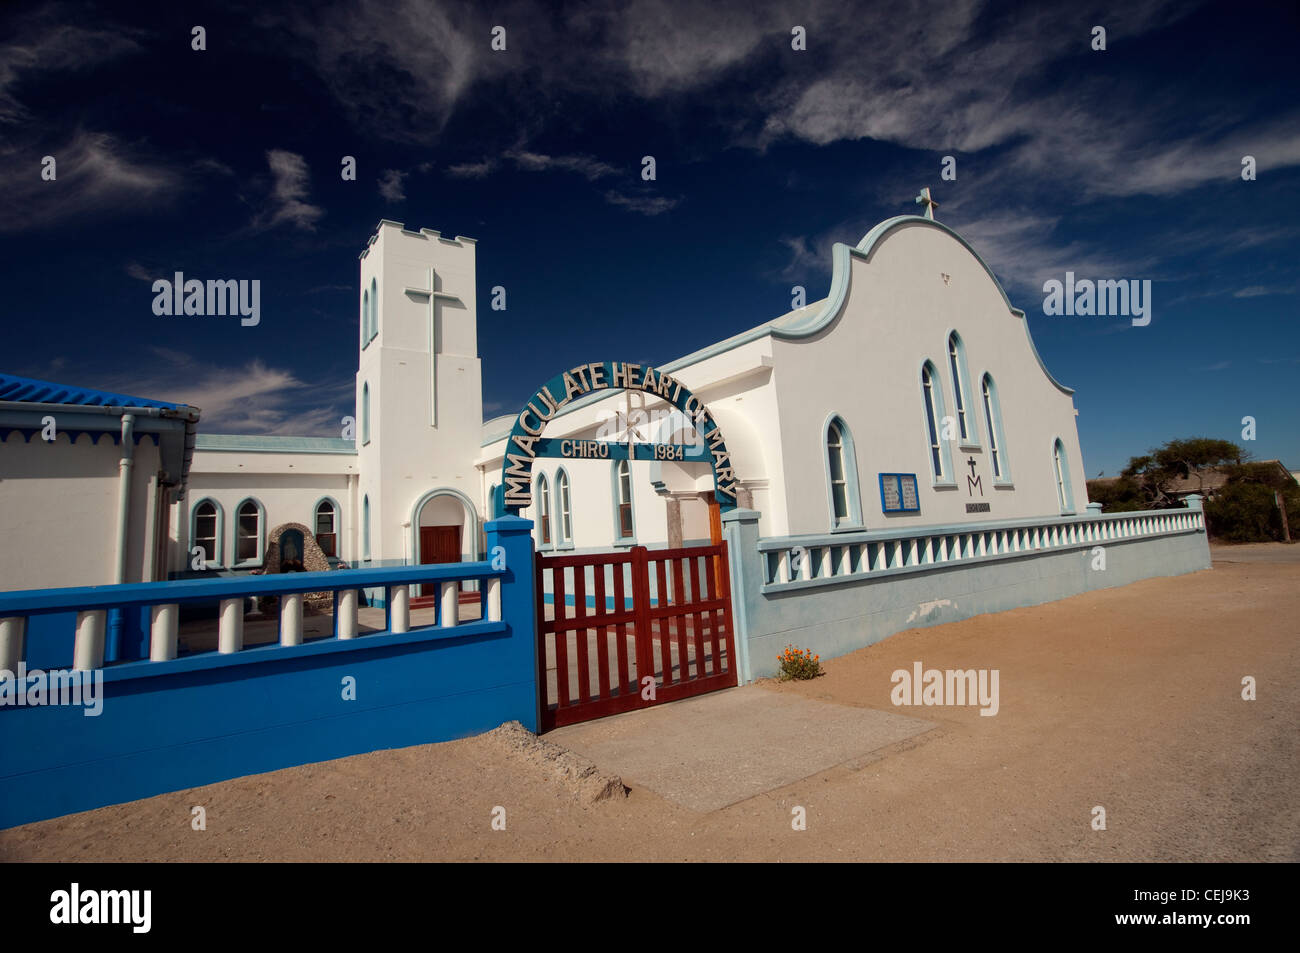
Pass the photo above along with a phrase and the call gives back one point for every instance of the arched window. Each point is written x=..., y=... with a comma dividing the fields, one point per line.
x=624, y=518
x=543, y=496
x=249, y=530
x=374, y=308
x=365, y=527
x=365, y=317
x=564, y=506
x=841, y=475
x=932, y=396
x=960, y=389
x=993, y=424
x=327, y=522
x=1061, y=466
x=205, y=532
x=492, y=502
x=365, y=413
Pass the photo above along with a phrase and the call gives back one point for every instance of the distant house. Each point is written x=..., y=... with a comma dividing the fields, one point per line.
x=1207, y=482
x=1210, y=481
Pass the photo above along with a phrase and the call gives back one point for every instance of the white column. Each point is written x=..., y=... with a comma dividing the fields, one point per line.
x=449, y=607
x=88, y=651
x=399, y=609
x=347, y=614
x=291, y=618
x=162, y=632
x=230, y=636
x=494, y=598
x=13, y=634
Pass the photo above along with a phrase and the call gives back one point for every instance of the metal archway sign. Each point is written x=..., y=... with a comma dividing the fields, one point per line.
x=526, y=442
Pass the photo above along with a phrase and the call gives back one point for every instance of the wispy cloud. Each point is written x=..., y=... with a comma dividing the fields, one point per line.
x=251, y=398
x=289, y=191
x=54, y=40
x=94, y=173
x=390, y=185
x=649, y=205
x=589, y=167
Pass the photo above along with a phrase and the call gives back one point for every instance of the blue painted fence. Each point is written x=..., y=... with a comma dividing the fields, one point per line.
x=197, y=719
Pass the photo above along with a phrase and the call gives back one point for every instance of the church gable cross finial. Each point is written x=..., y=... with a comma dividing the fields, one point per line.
x=929, y=203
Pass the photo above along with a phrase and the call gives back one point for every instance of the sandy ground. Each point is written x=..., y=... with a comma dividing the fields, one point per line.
x=1129, y=699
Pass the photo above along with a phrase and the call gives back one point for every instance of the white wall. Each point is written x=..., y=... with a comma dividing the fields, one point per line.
x=866, y=367
x=58, y=511
x=288, y=485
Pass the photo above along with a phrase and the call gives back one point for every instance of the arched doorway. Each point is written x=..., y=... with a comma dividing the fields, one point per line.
x=444, y=529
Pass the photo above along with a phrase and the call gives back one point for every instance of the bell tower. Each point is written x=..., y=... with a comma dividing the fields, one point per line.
x=419, y=380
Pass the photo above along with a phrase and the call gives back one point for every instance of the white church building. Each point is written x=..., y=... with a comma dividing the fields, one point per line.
x=911, y=396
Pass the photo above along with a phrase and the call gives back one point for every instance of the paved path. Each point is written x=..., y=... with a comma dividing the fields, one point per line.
x=707, y=752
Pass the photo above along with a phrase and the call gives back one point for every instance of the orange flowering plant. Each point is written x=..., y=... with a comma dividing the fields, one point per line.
x=799, y=663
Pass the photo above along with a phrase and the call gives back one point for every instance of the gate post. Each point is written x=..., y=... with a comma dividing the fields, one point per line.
x=740, y=530
x=510, y=541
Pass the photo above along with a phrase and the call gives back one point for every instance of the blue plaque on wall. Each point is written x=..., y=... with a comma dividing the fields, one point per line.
x=898, y=493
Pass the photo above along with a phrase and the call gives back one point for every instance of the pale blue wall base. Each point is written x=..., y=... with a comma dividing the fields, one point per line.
x=841, y=617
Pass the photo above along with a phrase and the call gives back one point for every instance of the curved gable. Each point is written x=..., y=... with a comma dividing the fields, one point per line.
x=811, y=322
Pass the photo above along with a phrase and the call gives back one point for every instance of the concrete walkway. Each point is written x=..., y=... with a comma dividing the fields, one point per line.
x=714, y=750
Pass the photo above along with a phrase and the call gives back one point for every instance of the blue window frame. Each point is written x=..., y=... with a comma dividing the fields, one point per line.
x=250, y=533
x=206, y=526
x=365, y=527
x=365, y=413
x=841, y=462
x=1061, y=468
x=993, y=424
x=932, y=399
x=624, y=511
x=563, y=509
x=542, y=494
x=966, y=428
x=898, y=493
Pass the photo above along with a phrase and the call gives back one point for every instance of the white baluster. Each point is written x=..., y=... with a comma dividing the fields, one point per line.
x=346, y=619
x=449, y=610
x=291, y=619
x=163, y=621
x=13, y=636
x=399, y=609
x=494, y=598
x=88, y=650
x=230, y=637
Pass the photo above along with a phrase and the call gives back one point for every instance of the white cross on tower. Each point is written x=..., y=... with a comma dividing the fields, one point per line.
x=929, y=203
x=433, y=297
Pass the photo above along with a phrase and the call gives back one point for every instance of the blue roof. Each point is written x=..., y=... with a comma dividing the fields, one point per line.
x=29, y=390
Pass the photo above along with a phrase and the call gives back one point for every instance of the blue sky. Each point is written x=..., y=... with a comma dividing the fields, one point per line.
x=1123, y=163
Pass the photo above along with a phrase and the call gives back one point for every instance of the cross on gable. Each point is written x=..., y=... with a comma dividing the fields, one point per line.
x=929, y=203
x=971, y=463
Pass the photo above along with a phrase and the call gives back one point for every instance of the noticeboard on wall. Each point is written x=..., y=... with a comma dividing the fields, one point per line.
x=898, y=493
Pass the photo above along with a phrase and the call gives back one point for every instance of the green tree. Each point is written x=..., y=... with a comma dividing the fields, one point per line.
x=1154, y=473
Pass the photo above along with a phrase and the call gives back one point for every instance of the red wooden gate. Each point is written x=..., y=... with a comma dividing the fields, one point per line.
x=663, y=614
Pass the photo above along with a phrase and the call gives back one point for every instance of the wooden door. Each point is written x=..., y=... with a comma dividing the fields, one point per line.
x=439, y=544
